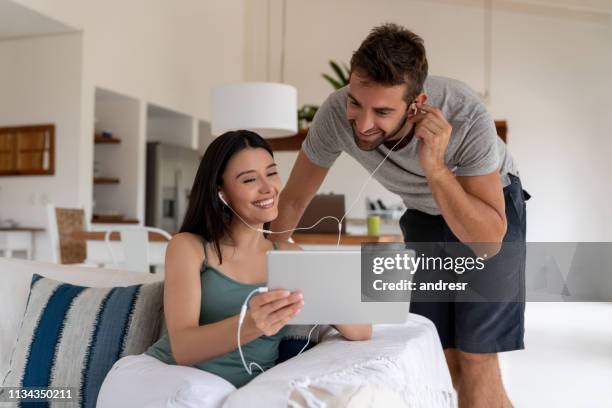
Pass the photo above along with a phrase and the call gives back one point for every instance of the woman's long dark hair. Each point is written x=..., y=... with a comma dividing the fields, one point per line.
x=206, y=214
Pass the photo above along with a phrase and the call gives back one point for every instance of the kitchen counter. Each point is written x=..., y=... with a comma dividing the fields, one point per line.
x=309, y=239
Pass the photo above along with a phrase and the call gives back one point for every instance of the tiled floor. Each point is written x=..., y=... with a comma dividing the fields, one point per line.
x=567, y=361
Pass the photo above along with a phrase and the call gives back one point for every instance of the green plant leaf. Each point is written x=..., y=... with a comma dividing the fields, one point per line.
x=347, y=71
x=338, y=71
x=332, y=81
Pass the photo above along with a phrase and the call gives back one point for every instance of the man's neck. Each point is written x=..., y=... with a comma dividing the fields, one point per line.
x=390, y=143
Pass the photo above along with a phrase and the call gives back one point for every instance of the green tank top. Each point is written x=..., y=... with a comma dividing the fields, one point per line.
x=222, y=297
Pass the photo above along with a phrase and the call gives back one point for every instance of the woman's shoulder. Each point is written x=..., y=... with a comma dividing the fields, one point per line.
x=186, y=242
x=184, y=256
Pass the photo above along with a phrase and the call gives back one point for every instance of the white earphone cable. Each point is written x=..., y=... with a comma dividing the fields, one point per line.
x=339, y=221
x=243, y=310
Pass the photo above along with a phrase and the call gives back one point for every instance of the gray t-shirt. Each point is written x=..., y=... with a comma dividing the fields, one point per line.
x=474, y=149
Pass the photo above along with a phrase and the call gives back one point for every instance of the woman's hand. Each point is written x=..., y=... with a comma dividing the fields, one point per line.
x=270, y=311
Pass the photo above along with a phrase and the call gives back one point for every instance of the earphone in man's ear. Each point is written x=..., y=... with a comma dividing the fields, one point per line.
x=412, y=109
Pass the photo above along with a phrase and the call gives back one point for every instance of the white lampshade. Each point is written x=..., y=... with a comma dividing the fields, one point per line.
x=267, y=108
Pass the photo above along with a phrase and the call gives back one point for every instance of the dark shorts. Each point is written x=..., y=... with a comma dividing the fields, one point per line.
x=476, y=327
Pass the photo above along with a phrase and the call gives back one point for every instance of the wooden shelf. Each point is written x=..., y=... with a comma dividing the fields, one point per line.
x=289, y=143
x=106, y=180
x=293, y=143
x=106, y=140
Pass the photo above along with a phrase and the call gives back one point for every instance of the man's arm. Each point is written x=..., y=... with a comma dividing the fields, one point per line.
x=304, y=182
x=472, y=206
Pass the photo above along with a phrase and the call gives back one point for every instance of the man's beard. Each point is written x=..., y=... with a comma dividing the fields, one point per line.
x=369, y=146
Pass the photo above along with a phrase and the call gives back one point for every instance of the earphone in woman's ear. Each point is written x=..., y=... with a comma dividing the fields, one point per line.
x=222, y=199
x=220, y=194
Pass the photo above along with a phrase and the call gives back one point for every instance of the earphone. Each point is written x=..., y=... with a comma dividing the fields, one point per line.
x=238, y=215
x=264, y=289
x=413, y=109
x=243, y=311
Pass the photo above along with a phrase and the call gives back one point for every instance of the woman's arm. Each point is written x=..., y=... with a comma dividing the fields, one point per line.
x=348, y=331
x=190, y=342
x=355, y=331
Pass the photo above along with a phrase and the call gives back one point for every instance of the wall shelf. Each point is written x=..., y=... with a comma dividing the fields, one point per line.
x=106, y=180
x=106, y=140
x=293, y=143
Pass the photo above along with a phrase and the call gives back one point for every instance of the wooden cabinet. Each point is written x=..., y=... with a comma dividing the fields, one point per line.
x=27, y=150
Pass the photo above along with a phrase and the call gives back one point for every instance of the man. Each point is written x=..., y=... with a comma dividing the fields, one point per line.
x=453, y=173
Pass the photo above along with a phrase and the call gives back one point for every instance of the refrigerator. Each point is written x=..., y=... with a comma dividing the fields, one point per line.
x=171, y=170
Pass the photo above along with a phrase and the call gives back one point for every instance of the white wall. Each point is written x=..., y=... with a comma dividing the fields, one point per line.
x=40, y=82
x=167, y=53
x=169, y=128
x=550, y=80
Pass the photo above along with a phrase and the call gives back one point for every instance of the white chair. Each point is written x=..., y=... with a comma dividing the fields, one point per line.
x=135, y=243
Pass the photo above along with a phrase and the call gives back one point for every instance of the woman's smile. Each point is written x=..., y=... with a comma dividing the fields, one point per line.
x=265, y=203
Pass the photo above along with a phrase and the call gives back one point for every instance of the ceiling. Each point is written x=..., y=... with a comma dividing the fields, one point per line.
x=594, y=5
x=18, y=21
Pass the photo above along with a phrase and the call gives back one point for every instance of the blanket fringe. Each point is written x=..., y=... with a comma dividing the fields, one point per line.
x=379, y=373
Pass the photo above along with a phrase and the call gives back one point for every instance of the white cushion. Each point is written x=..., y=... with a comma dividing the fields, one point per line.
x=402, y=365
x=16, y=275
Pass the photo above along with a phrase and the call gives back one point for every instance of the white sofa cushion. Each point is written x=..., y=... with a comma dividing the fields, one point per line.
x=16, y=275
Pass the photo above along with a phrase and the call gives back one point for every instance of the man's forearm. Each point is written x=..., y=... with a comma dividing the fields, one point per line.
x=470, y=219
x=289, y=214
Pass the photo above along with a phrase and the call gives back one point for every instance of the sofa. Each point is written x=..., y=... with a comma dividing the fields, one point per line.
x=401, y=366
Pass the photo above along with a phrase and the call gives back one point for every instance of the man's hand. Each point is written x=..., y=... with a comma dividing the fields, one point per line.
x=433, y=131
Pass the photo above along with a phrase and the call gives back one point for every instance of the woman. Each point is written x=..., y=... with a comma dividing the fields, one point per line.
x=216, y=260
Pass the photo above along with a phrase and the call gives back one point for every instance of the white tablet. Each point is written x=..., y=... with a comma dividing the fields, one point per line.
x=331, y=284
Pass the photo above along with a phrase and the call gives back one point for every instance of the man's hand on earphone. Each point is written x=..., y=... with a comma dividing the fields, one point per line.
x=433, y=131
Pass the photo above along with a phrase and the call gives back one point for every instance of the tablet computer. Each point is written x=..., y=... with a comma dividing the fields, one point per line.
x=331, y=284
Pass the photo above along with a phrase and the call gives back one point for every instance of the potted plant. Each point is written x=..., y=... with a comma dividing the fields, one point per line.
x=307, y=112
x=342, y=75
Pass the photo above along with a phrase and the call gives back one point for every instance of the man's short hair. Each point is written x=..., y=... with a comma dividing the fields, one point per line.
x=392, y=55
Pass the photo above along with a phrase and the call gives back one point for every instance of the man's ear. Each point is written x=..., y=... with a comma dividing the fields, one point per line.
x=421, y=98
